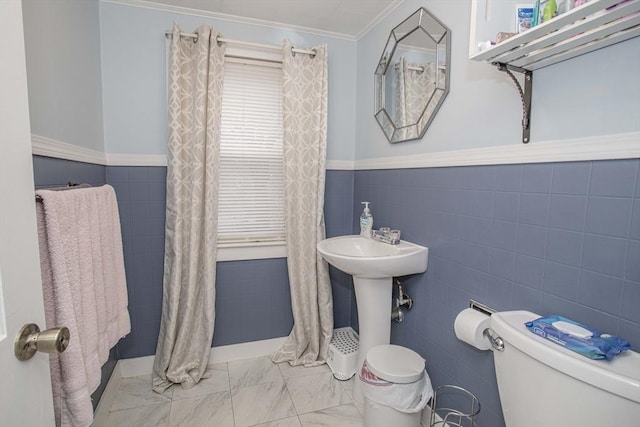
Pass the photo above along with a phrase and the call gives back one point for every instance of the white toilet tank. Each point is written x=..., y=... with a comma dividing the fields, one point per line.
x=542, y=384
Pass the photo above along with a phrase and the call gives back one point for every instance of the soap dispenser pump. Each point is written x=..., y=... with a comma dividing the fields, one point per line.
x=366, y=221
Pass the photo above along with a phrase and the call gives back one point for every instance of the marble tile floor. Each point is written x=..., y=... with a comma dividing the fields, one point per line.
x=253, y=392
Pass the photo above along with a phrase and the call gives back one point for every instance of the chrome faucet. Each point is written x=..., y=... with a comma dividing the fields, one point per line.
x=386, y=235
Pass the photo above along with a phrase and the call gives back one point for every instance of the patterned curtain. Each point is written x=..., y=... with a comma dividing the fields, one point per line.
x=415, y=84
x=195, y=104
x=305, y=145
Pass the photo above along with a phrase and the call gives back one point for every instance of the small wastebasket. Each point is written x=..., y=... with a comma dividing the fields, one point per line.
x=396, y=387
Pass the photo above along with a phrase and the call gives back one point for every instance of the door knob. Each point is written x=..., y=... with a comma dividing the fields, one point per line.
x=30, y=340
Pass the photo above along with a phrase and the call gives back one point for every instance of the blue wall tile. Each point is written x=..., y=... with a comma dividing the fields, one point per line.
x=509, y=178
x=505, y=205
x=534, y=208
x=614, y=178
x=635, y=220
x=609, y=216
x=601, y=292
x=572, y=254
x=536, y=178
x=529, y=271
x=632, y=268
x=575, y=254
x=571, y=178
x=630, y=302
x=567, y=212
x=561, y=280
x=504, y=235
x=564, y=246
x=531, y=240
x=51, y=172
x=604, y=254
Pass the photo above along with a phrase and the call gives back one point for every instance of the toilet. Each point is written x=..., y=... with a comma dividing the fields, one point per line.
x=543, y=384
x=399, y=378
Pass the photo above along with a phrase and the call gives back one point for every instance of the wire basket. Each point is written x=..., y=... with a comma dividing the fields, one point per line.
x=448, y=407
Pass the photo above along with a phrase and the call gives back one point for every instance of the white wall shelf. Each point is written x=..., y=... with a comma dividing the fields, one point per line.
x=594, y=25
x=591, y=26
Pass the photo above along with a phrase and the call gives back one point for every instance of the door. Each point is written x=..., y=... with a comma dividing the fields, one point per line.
x=25, y=387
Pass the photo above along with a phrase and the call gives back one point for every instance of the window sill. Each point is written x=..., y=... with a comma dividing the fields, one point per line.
x=228, y=252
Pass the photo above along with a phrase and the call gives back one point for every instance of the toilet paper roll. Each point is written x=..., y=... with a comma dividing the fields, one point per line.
x=469, y=326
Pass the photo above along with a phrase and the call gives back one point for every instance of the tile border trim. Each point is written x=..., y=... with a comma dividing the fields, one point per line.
x=601, y=147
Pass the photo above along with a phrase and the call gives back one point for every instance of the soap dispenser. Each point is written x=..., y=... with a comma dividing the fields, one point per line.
x=366, y=221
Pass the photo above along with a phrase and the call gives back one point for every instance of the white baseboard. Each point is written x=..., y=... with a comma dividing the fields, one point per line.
x=108, y=396
x=247, y=350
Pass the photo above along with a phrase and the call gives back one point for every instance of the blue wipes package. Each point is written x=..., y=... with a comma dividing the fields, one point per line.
x=577, y=337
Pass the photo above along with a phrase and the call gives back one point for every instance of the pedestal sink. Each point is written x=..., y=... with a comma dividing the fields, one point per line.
x=373, y=265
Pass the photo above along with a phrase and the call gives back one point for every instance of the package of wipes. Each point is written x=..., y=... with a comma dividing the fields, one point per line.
x=577, y=337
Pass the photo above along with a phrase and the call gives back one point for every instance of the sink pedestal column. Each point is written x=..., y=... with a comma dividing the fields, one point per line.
x=374, y=303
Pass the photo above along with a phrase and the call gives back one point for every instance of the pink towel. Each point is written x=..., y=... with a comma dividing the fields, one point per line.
x=84, y=289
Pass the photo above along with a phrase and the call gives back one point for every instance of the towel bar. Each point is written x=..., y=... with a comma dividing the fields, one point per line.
x=70, y=186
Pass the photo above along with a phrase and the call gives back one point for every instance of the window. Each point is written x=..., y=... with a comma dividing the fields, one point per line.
x=251, y=198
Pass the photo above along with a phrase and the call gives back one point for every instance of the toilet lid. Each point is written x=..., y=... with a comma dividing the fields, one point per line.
x=395, y=364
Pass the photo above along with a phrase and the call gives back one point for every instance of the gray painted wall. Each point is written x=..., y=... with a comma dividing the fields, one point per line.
x=62, y=45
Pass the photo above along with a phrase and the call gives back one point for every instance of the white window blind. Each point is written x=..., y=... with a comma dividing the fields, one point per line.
x=251, y=166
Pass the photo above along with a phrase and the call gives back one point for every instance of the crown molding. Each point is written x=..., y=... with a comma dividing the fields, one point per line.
x=381, y=16
x=49, y=147
x=603, y=147
x=230, y=18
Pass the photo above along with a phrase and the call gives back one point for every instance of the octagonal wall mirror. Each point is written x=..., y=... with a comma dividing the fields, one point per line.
x=412, y=76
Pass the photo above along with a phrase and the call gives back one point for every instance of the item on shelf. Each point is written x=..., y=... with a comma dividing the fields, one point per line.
x=550, y=10
x=565, y=6
x=486, y=45
x=500, y=37
x=524, y=17
x=536, y=14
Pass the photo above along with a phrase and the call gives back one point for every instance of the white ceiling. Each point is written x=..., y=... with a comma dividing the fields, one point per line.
x=350, y=18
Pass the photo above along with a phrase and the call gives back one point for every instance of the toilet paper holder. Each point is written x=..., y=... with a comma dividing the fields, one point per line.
x=495, y=340
x=481, y=307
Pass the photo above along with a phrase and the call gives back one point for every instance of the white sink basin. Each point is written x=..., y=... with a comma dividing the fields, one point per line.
x=368, y=258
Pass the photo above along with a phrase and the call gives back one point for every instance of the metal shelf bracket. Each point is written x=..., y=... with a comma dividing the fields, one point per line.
x=525, y=95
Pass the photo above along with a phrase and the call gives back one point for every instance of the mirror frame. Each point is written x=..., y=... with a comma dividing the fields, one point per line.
x=393, y=132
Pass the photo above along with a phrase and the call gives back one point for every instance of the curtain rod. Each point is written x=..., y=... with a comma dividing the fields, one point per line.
x=311, y=52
